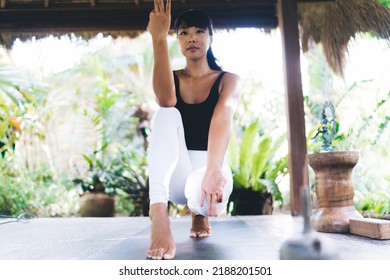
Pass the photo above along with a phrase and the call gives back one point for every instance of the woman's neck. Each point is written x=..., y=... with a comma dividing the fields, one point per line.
x=196, y=69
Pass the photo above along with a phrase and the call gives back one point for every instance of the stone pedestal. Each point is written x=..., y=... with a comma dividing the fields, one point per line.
x=334, y=190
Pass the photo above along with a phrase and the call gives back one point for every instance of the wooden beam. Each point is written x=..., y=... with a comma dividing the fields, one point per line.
x=126, y=16
x=30, y=16
x=288, y=24
x=314, y=1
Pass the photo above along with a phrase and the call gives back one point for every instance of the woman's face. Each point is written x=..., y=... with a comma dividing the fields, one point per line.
x=194, y=42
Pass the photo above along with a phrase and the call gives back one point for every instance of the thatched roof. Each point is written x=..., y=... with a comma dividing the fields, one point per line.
x=24, y=18
x=333, y=24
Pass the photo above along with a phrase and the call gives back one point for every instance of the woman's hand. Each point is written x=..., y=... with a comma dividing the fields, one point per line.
x=212, y=190
x=160, y=19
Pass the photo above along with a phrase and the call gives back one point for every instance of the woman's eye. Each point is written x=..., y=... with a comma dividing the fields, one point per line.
x=183, y=33
x=200, y=31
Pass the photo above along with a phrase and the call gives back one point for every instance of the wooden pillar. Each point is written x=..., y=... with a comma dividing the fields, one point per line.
x=297, y=150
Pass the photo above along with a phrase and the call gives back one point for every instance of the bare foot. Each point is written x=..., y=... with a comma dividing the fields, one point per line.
x=200, y=227
x=162, y=246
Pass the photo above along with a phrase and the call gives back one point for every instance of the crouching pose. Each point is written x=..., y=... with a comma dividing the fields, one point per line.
x=191, y=129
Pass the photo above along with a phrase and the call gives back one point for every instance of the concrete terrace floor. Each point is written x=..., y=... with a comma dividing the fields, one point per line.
x=127, y=238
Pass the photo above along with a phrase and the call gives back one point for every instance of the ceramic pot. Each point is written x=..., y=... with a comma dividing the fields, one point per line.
x=250, y=202
x=97, y=205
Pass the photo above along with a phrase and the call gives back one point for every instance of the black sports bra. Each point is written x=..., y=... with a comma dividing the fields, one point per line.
x=197, y=117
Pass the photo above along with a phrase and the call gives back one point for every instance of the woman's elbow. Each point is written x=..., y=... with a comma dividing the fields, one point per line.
x=167, y=102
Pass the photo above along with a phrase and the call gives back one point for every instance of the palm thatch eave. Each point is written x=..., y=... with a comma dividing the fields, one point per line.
x=7, y=39
x=333, y=24
x=86, y=18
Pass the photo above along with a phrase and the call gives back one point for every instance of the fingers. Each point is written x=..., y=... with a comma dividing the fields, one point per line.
x=159, y=6
x=212, y=203
x=168, y=6
x=214, y=206
x=219, y=198
x=202, y=198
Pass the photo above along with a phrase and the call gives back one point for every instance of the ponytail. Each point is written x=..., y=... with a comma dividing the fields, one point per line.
x=212, y=61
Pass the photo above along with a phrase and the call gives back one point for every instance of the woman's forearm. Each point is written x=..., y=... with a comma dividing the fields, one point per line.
x=222, y=121
x=163, y=83
x=219, y=136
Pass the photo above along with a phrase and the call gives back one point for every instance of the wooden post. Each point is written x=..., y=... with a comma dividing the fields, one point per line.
x=288, y=24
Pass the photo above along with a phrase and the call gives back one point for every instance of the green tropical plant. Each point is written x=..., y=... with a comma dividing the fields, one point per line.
x=375, y=202
x=113, y=170
x=255, y=163
x=385, y=2
x=362, y=106
x=37, y=192
x=124, y=176
x=18, y=95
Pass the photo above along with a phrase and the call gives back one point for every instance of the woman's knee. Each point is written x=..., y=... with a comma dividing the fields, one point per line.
x=167, y=114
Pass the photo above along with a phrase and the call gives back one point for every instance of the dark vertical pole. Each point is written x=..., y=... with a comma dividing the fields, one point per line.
x=288, y=24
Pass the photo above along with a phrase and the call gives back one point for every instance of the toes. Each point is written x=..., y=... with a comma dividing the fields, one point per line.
x=156, y=254
x=200, y=227
x=203, y=235
x=169, y=255
x=194, y=234
x=160, y=254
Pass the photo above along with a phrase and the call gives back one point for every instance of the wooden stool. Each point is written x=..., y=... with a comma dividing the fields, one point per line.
x=334, y=190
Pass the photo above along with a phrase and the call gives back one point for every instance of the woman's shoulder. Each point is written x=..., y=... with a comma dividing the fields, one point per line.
x=230, y=84
x=227, y=77
x=178, y=72
x=230, y=74
x=230, y=77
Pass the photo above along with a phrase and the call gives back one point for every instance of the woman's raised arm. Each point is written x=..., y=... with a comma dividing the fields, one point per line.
x=158, y=27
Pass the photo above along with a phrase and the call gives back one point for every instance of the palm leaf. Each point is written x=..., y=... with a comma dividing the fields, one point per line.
x=260, y=160
x=278, y=168
x=233, y=151
x=276, y=146
x=247, y=145
x=273, y=188
x=239, y=181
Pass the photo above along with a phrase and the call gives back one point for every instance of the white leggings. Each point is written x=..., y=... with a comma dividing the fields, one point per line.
x=175, y=173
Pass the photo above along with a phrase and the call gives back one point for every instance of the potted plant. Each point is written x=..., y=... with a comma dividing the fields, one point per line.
x=256, y=172
x=126, y=173
x=333, y=184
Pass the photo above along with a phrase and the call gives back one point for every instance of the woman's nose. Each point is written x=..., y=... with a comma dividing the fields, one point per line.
x=191, y=39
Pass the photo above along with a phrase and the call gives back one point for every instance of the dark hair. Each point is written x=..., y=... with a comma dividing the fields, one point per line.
x=196, y=18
